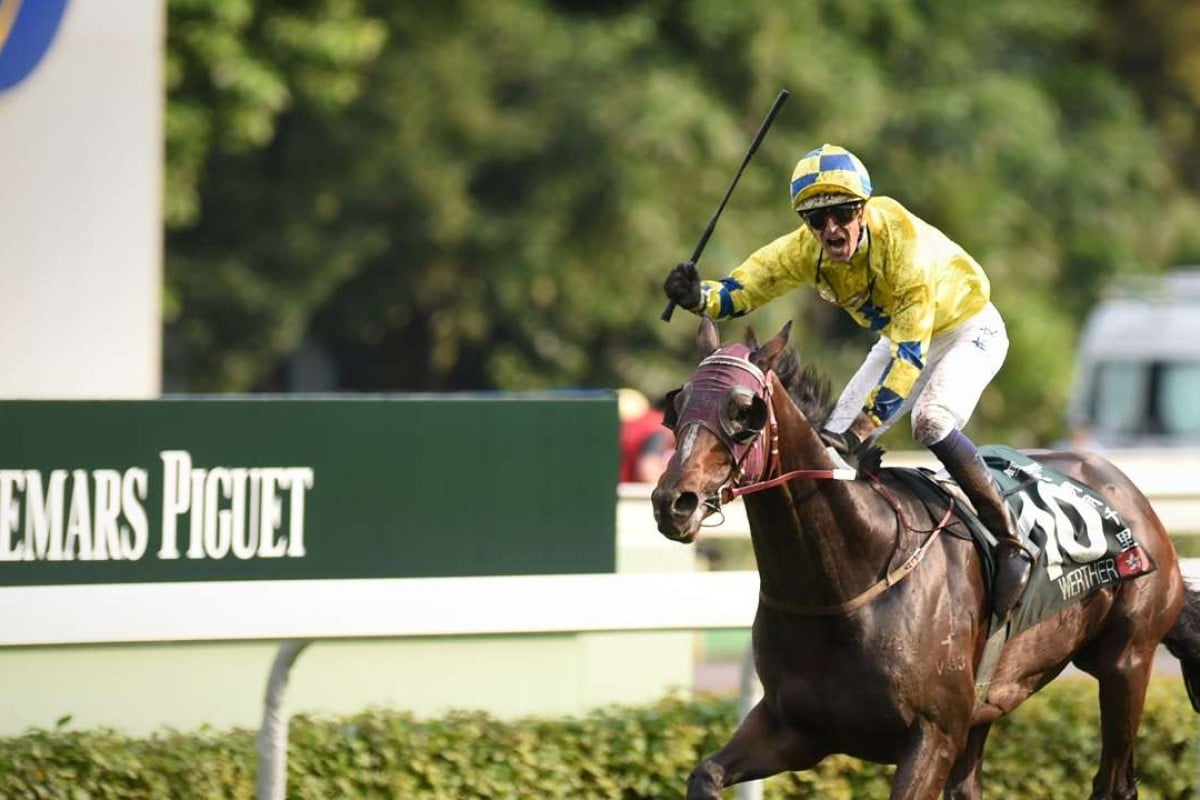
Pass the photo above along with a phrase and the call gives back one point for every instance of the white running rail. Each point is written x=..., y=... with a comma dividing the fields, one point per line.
x=508, y=605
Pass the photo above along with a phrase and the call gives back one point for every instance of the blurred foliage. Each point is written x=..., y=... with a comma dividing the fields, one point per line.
x=1048, y=749
x=479, y=194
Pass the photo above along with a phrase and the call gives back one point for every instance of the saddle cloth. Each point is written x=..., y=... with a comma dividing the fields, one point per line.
x=1079, y=540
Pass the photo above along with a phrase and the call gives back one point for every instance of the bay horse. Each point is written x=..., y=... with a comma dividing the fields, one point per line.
x=870, y=627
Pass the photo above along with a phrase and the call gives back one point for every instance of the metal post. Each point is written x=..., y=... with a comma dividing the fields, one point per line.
x=271, y=742
x=749, y=693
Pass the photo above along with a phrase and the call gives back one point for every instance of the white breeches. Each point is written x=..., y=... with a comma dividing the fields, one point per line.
x=960, y=365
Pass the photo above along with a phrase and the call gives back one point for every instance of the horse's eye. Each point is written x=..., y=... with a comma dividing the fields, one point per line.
x=745, y=414
x=754, y=416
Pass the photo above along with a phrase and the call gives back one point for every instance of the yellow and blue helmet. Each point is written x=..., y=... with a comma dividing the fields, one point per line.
x=829, y=176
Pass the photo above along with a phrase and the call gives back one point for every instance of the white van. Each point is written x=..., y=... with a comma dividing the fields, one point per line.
x=1137, y=380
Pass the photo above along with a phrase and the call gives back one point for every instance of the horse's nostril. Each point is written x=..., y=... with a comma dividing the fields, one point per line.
x=685, y=504
x=662, y=500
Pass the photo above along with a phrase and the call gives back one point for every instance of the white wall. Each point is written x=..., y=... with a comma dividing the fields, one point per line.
x=80, y=200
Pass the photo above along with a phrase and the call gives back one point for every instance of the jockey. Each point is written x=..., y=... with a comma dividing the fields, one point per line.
x=941, y=341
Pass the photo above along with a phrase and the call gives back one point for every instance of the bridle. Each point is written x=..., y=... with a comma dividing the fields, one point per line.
x=754, y=454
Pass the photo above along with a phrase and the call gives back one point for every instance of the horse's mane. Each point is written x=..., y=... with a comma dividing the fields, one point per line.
x=809, y=387
x=812, y=392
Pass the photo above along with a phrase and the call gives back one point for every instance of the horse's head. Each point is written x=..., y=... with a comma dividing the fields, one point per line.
x=721, y=418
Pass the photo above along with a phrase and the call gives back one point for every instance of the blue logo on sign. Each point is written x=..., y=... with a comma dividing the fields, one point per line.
x=27, y=28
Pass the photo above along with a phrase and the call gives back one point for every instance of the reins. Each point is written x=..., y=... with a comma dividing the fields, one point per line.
x=728, y=493
x=836, y=474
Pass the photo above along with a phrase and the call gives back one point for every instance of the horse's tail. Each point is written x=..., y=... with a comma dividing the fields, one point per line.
x=1183, y=640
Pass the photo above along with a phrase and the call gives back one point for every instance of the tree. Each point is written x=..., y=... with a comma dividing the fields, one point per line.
x=487, y=195
x=237, y=72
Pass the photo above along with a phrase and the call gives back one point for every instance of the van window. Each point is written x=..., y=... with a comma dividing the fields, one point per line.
x=1155, y=398
x=1178, y=396
x=1119, y=400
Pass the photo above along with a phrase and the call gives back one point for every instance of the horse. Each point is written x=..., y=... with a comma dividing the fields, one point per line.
x=870, y=627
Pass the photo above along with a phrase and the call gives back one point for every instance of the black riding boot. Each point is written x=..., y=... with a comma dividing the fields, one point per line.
x=1013, y=562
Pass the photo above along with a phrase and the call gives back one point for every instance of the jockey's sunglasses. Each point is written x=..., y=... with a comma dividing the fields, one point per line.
x=842, y=214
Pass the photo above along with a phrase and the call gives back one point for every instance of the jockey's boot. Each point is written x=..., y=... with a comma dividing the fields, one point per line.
x=1013, y=561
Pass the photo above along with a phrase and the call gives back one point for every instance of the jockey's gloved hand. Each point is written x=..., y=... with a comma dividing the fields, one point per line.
x=845, y=443
x=683, y=285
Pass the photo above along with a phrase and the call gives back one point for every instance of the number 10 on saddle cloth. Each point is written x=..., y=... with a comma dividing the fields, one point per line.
x=1081, y=541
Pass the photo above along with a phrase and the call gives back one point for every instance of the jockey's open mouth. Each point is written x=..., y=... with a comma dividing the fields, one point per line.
x=836, y=241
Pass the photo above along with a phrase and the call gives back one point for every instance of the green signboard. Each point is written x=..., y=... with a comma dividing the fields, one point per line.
x=288, y=488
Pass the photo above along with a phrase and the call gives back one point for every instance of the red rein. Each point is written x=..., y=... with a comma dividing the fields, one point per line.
x=729, y=493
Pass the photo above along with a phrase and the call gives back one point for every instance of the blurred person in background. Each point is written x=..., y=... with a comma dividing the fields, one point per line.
x=645, y=445
x=941, y=341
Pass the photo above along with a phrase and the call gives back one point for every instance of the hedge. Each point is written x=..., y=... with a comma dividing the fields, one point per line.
x=1048, y=749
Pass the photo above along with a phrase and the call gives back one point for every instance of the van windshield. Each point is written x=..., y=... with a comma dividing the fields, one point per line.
x=1148, y=398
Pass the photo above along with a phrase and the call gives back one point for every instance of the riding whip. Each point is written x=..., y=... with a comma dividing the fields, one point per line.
x=712, y=223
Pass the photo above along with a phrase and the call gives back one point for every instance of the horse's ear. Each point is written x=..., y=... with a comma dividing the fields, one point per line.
x=751, y=337
x=707, y=339
x=765, y=356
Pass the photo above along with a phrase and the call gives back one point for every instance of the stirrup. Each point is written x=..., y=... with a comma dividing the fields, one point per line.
x=1010, y=577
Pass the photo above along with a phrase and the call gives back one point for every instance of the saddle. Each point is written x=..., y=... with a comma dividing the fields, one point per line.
x=1079, y=541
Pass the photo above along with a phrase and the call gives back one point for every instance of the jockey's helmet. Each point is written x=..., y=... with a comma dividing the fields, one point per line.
x=829, y=176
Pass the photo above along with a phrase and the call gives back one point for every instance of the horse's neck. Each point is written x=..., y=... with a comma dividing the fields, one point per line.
x=817, y=542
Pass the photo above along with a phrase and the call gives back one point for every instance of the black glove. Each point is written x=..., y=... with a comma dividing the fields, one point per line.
x=683, y=285
x=845, y=443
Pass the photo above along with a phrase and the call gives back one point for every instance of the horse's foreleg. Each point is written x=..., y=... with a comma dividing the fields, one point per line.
x=759, y=748
x=922, y=770
x=966, y=776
